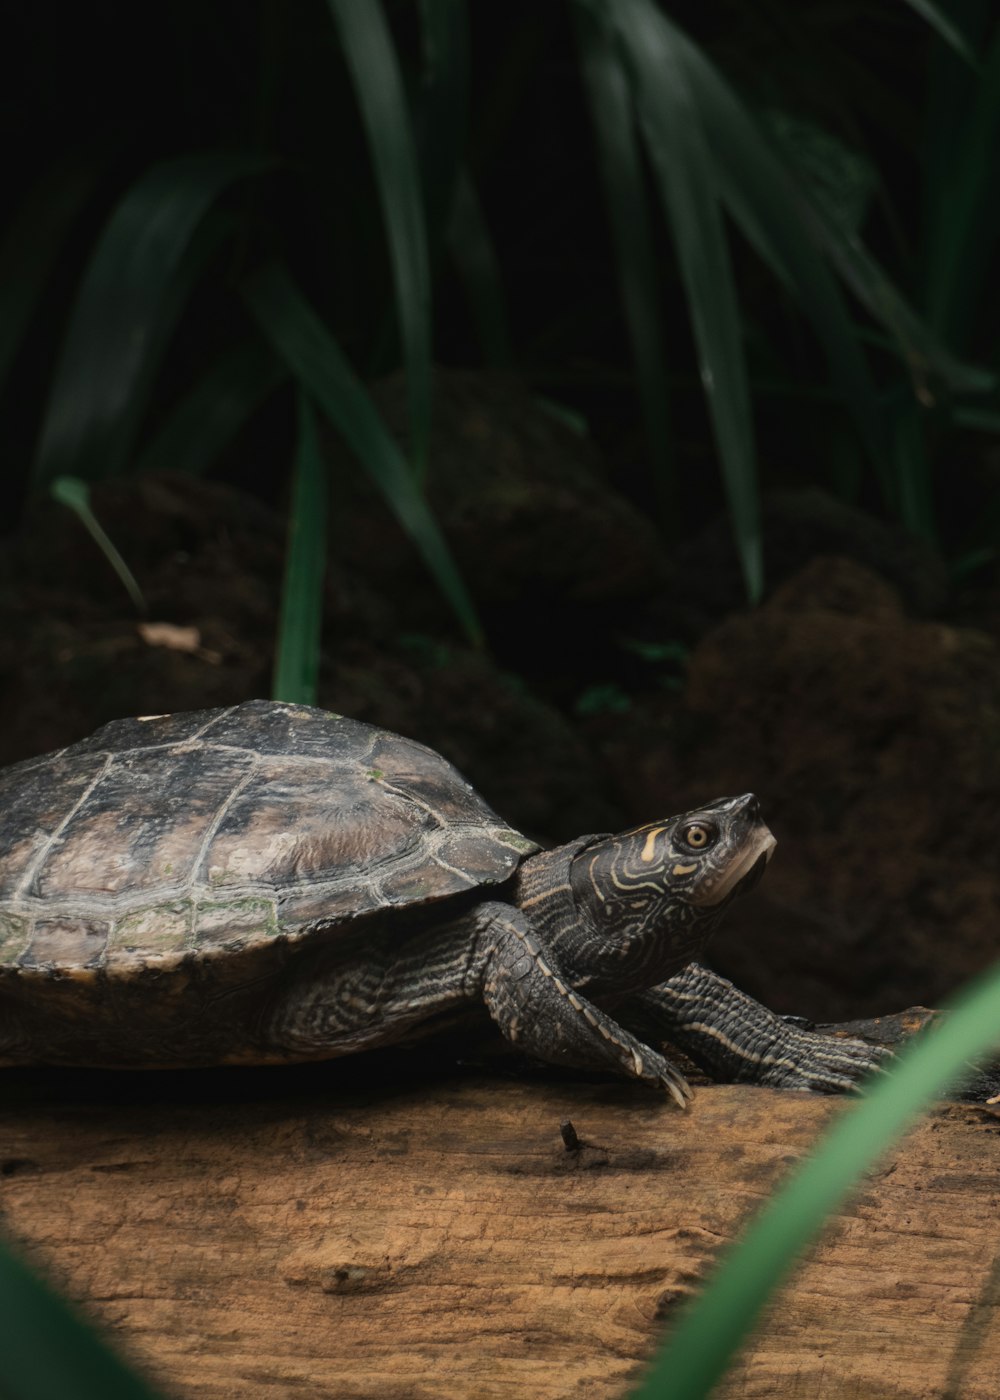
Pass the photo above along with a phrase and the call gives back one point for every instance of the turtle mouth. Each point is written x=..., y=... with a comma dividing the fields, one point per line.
x=744, y=871
x=755, y=873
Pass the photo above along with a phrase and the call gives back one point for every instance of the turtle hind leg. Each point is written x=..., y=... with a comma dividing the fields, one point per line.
x=539, y=1012
x=734, y=1037
x=385, y=990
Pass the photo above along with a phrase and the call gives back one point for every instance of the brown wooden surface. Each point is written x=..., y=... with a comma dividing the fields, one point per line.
x=304, y=1233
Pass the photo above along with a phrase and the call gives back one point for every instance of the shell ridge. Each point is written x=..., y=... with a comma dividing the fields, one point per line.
x=411, y=799
x=217, y=718
x=197, y=880
x=34, y=867
x=470, y=880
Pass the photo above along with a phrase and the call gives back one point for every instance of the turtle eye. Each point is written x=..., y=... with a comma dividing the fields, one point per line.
x=698, y=836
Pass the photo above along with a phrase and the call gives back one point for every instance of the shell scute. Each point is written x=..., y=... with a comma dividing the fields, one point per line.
x=288, y=731
x=145, y=731
x=159, y=843
x=142, y=825
x=66, y=942
x=155, y=928
x=35, y=798
x=344, y=825
x=218, y=922
x=15, y=935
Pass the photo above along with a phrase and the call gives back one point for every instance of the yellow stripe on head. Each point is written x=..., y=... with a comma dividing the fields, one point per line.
x=649, y=849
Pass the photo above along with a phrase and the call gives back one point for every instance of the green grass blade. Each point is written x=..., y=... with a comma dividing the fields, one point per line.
x=763, y=201
x=912, y=467
x=442, y=110
x=48, y=1352
x=210, y=415
x=130, y=296
x=965, y=218
x=75, y=495
x=297, y=652
x=472, y=251
x=378, y=88
x=297, y=333
x=794, y=235
x=607, y=89
x=948, y=31
x=670, y=121
x=29, y=248
x=709, y=1333
x=918, y=346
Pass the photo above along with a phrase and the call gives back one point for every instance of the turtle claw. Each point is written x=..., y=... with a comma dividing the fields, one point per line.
x=677, y=1087
x=654, y=1068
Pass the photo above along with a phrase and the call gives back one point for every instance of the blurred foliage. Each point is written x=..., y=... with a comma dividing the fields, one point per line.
x=786, y=228
x=48, y=1352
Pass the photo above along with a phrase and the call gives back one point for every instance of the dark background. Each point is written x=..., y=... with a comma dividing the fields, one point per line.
x=624, y=672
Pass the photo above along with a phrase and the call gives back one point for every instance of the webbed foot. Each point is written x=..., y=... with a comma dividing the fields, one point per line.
x=737, y=1038
x=808, y=1060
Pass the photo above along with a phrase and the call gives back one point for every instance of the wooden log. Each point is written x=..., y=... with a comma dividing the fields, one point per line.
x=413, y=1231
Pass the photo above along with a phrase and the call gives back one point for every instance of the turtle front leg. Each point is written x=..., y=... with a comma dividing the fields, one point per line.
x=538, y=1011
x=736, y=1038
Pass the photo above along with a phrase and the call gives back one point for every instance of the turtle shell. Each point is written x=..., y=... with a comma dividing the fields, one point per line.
x=188, y=836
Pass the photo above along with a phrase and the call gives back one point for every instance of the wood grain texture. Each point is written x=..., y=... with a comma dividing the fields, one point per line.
x=314, y=1233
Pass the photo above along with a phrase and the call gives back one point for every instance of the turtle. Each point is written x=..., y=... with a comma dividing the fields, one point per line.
x=272, y=883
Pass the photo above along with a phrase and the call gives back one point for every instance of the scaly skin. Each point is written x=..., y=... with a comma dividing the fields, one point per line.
x=591, y=967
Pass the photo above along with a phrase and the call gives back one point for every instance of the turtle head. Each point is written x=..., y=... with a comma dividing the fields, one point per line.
x=653, y=894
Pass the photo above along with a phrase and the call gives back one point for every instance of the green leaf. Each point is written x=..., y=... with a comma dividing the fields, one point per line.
x=210, y=415
x=912, y=468
x=297, y=333
x=765, y=204
x=131, y=294
x=709, y=1333
x=619, y=158
x=602, y=699
x=475, y=259
x=297, y=653
x=29, y=248
x=562, y=413
x=948, y=31
x=378, y=88
x=671, y=122
x=793, y=235
x=48, y=1353
x=983, y=420
x=73, y=493
x=834, y=175
x=926, y=359
x=442, y=109
x=963, y=217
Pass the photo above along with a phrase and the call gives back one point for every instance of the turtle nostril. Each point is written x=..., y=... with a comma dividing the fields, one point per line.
x=751, y=806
